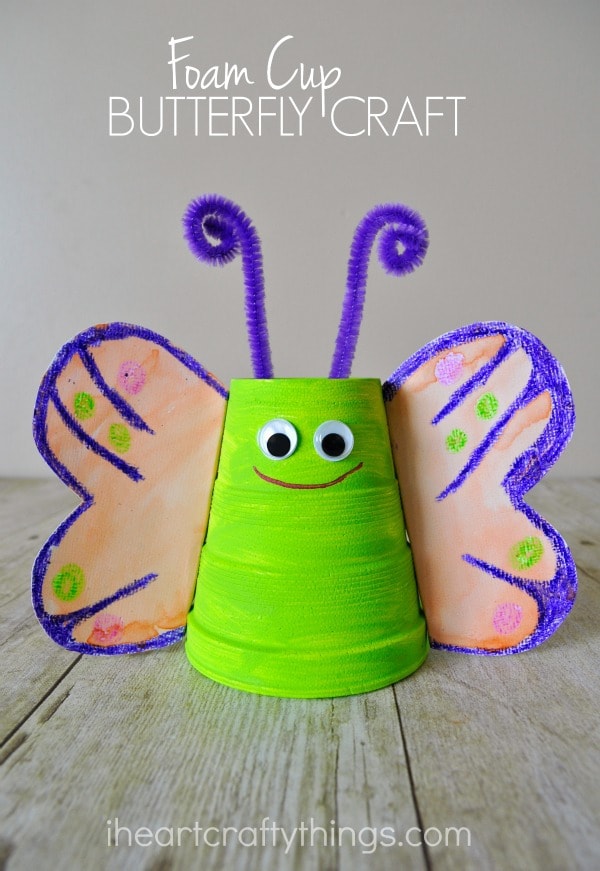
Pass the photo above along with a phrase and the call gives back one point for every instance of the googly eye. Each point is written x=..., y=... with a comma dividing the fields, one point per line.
x=277, y=439
x=333, y=440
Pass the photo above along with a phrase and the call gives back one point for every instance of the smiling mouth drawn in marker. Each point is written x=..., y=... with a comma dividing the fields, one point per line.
x=306, y=486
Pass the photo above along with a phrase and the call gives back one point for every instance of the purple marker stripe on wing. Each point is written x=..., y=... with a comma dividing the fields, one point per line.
x=123, y=407
x=554, y=598
x=115, y=331
x=64, y=624
x=60, y=627
x=526, y=395
x=475, y=381
x=445, y=343
x=127, y=469
x=531, y=587
x=55, y=464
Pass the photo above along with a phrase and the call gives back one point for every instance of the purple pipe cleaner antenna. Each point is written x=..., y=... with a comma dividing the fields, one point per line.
x=399, y=225
x=217, y=231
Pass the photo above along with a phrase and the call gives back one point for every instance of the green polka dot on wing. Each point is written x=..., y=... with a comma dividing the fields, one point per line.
x=456, y=441
x=487, y=406
x=120, y=437
x=69, y=583
x=526, y=553
x=83, y=406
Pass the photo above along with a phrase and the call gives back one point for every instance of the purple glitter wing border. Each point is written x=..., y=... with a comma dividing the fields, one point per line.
x=554, y=598
x=60, y=627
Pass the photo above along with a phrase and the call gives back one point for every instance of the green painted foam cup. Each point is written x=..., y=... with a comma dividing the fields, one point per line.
x=306, y=586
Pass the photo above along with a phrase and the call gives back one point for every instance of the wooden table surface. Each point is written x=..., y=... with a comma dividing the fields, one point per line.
x=506, y=747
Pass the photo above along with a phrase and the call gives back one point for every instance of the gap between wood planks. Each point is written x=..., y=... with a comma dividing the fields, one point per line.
x=3, y=743
x=426, y=856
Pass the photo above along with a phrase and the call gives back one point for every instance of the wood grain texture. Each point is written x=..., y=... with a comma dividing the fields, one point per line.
x=31, y=664
x=505, y=746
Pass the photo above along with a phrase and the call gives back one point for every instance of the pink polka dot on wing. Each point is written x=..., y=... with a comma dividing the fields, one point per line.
x=108, y=628
x=449, y=368
x=131, y=377
x=507, y=617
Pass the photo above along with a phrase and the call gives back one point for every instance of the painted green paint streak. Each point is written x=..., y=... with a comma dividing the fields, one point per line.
x=119, y=437
x=306, y=592
x=456, y=441
x=83, y=406
x=526, y=553
x=69, y=583
x=487, y=406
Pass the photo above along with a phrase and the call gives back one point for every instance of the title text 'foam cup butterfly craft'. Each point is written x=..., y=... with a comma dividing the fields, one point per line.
x=265, y=523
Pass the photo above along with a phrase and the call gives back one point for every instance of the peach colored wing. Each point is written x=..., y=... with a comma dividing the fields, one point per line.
x=133, y=425
x=476, y=418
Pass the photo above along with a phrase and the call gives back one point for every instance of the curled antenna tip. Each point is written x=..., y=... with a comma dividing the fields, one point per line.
x=410, y=231
x=209, y=227
x=217, y=230
x=399, y=226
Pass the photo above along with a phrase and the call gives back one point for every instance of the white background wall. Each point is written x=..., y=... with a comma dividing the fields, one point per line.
x=91, y=230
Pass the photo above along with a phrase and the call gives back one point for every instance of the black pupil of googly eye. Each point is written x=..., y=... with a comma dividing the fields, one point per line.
x=333, y=444
x=278, y=445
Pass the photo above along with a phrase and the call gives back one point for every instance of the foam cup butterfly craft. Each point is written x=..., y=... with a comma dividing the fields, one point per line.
x=265, y=523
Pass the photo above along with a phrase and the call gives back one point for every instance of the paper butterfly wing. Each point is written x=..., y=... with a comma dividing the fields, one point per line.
x=476, y=418
x=132, y=425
